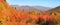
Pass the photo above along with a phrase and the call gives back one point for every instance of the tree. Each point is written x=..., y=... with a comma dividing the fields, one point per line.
x=5, y=0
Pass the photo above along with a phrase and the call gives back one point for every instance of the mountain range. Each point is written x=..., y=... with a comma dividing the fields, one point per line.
x=29, y=8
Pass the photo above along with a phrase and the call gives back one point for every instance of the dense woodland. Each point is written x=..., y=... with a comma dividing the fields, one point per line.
x=10, y=16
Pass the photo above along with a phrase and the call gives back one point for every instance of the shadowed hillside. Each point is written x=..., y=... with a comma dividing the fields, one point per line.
x=56, y=12
x=55, y=9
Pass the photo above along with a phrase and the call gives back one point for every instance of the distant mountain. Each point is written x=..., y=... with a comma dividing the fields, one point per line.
x=38, y=8
x=42, y=8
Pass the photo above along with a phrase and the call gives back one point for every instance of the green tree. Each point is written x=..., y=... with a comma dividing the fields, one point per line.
x=5, y=0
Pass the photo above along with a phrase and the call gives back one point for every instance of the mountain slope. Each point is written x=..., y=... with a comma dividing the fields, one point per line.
x=56, y=9
x=38, y=8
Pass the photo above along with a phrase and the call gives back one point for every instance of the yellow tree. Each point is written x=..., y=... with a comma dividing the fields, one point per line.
x=33, y=11
x=56, y=15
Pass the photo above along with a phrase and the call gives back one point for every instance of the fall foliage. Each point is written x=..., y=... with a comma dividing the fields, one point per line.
x=10, y=16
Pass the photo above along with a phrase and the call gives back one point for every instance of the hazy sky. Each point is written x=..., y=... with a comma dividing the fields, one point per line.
x=46, y=3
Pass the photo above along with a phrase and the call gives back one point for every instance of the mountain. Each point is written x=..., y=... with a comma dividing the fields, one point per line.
x=42, y=8
x=29, y=8
x=56, y=9
x=56, y=13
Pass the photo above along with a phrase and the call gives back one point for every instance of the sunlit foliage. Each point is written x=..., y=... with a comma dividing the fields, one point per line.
x=10, y=16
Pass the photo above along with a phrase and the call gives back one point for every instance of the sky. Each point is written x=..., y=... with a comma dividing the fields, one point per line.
x=46, y=3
